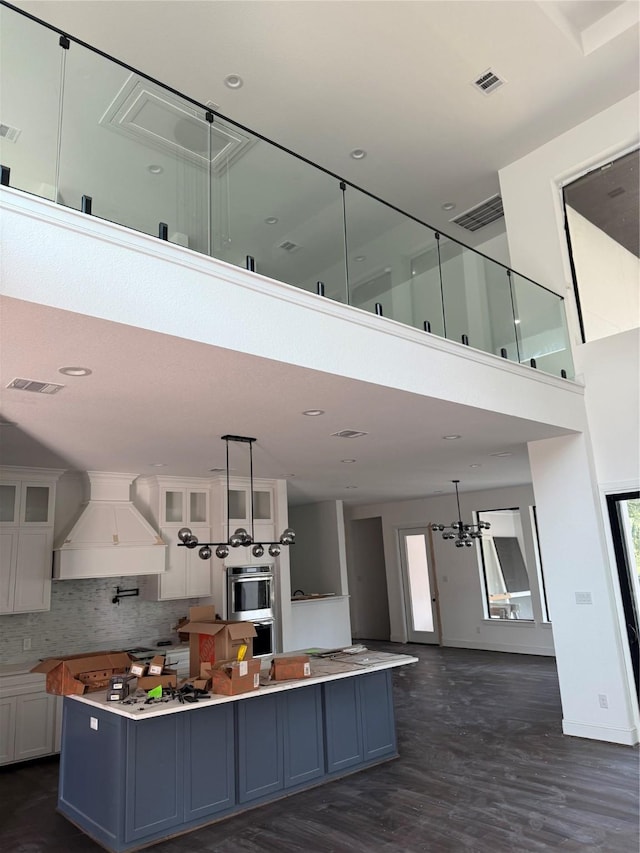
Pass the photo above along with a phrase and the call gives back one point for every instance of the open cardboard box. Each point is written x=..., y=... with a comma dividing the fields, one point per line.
x=212, y=640
x=169, y=678
x=85, y=673
x=232, y=676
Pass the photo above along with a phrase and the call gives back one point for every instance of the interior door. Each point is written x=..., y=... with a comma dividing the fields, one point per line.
x=420, y=591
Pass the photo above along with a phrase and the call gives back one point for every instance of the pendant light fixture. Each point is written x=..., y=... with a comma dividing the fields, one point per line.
x=463, y=534
x=240, y=538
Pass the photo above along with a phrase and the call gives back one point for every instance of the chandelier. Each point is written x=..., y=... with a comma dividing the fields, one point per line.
x=240, y=538
x=462, y=533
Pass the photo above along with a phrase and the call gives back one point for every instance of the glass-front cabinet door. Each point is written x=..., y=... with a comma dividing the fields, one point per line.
x=185, y=506
x=9, y=503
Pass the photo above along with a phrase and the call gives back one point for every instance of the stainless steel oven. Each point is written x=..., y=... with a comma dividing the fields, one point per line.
x=264, y=640
x=250, y=593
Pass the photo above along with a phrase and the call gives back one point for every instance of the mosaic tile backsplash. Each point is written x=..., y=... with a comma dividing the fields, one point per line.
x=83, y=619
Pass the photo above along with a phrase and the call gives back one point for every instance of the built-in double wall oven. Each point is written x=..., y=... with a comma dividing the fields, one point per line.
x=250, y=598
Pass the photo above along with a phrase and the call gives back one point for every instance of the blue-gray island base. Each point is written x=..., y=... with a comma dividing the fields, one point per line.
x=131, y=778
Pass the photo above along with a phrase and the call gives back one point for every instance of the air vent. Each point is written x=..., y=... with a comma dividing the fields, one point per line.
x=349, y=433
x=34, y=385
x=288, y=246
x=488, y=82
x=9, y=133
x=483, y=214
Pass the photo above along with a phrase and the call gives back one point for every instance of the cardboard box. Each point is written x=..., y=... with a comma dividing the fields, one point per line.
x=156, y=665
x=78, y=674
x=169, y=678
x=212, y=640
x=287, y=667
x=138, y=669
x=233, y=676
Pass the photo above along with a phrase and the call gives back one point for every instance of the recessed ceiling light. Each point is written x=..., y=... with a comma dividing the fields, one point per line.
x=475, y=465
x=451, y=437
x=351, y=487
x=155, y=169
x=359, y=258
x=271, y=220
x=504, y=453
x=347, y=460
x=158, y=464
x=438, y=492
x=313, y=413
x=233, y=81
x=358, y=154
x=449, y=206
x=75, y=371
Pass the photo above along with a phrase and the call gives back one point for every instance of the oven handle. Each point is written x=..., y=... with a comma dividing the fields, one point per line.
x=246, y=578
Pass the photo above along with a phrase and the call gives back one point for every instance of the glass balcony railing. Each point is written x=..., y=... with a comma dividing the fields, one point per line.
x=88, y=132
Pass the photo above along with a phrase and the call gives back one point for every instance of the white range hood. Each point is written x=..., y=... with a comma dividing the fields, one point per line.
x=110, y=538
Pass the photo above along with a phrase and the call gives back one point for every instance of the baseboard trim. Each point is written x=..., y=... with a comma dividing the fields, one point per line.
x=627, y=737
x=500, y=647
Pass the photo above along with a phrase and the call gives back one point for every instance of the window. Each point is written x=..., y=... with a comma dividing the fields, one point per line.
x=506, y=578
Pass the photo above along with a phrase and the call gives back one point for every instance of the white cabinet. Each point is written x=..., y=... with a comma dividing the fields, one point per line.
x=29, y=718
x=27, y=498
x=172, y=503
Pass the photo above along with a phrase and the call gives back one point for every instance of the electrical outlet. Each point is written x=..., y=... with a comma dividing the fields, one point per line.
x=602, y=700
x=26, y=644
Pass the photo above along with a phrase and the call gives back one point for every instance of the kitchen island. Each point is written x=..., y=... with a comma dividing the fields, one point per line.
x=132, y=775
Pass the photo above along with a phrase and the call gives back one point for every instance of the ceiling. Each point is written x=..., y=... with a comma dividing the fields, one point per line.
x=322, y=78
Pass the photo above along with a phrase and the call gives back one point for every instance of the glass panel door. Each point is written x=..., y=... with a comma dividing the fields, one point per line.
x=624, y=516
x=419, y=587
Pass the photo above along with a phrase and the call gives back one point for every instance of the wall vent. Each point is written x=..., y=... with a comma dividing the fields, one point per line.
x=34, y=385
x=481, y=215
x=488, y=82
x=348, y=433
x=288, y=246
x=9, y=133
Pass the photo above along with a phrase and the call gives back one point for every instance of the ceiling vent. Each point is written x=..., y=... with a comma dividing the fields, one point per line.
x=488, y=82
x=349, y=433
x=616, y=192
x=9, y=133
x=477, y=217
x=34, y=385
x=288, y=246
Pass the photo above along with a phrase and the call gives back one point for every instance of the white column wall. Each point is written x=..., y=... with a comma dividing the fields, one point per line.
x=588, y=639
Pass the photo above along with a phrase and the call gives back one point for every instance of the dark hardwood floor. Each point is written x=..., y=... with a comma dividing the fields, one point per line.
x=483, y=767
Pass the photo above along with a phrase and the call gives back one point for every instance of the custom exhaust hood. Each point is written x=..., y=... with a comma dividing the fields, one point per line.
x=110, y=538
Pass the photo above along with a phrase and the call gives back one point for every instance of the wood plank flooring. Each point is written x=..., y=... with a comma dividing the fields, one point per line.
x=483, y=768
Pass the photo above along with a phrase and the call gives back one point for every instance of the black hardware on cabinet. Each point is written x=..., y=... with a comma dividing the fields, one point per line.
x=503, y=352
x=343, y=186
x=465, y=340
x=426, y=326
x=5, y=174
x=163, y=231
x=64, y=42
x=251, y=263
x=87, y=201
x=563, y=373
x=532, y=362
x=124, y=593
x=320, y=288
x=379, y=309
x=209, y=116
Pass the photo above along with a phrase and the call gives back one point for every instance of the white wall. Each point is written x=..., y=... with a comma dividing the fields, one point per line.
x=592, y=658
x=318, y=561
x=458, y=574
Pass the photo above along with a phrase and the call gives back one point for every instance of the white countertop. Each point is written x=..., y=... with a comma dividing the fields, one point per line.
x=322, y=669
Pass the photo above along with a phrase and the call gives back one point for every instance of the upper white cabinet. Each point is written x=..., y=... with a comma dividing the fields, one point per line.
x=172, y=503
x=27, y=499
x=184, y=506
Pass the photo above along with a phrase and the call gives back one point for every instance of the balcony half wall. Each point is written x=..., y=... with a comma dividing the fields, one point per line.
x=64, y=259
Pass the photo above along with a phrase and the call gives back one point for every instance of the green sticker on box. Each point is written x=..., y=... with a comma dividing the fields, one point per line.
x=155, y=692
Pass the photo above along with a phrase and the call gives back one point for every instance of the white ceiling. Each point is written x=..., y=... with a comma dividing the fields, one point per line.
x=322, y=78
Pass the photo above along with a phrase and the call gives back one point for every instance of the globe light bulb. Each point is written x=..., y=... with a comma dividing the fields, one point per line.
x=191, y=541
x=257, y=550
x=222, y=551
x=205, y=552
x=274, y=550
x=183, y=534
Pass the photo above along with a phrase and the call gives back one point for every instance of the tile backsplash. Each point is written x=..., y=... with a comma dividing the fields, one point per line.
x=83, y=618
